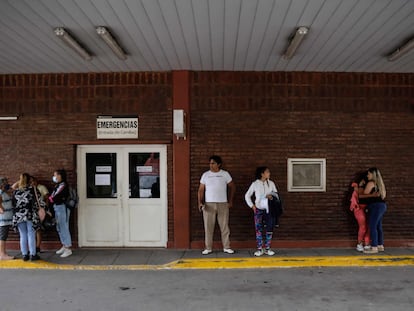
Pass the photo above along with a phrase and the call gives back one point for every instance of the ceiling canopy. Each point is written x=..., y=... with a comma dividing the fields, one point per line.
x=235, y=35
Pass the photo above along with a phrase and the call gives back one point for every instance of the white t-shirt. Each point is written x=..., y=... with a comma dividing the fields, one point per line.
x=216, y=185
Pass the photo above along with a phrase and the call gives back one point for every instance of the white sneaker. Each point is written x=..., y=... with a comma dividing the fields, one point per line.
x=359, y=248
x=228, y=250
x=60, y=250
x=269, y=252
x=206, y=251
x=66, y=253
x=372, y=250
x=366, y=247
x=258, y=253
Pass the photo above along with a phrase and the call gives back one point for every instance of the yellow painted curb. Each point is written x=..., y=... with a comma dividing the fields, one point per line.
x=44, y=265
x=230, y=263
x=294, y=262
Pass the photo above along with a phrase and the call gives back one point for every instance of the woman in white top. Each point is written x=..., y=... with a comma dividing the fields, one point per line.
x=262, y=189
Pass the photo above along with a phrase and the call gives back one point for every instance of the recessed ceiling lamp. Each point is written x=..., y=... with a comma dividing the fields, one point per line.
x=70, y=41
x=104, y=33
x=295, y=41
x=404, y=49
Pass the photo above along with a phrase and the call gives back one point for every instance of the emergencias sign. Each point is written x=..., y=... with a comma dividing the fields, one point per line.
x=122, y=127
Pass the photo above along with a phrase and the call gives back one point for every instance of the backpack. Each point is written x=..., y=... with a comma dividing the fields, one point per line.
x=72, y=199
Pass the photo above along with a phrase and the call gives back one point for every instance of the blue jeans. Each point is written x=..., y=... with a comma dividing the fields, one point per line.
x=27, y=238
x=376, y=213
x=62, y=224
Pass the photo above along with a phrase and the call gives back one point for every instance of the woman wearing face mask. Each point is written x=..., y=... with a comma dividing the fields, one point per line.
x=62, y=213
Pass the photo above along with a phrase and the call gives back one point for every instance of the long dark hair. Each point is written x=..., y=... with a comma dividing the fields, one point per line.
x=62, y=174
x=361, y=176
x=260, y=170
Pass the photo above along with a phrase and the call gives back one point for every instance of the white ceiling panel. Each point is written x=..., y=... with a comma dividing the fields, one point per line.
x=290, y=19
x=231, y=26
x=364, y=30
x=270, y=49
x=160, y=28
x=243, y=35
x=174, y=28
x=202, y=22
x=216, y=16
x=258, y=31
x=334, y=27
x=188, y=27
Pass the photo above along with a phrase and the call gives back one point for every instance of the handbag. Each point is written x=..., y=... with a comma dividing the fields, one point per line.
x=49, y=223
x=41, y=210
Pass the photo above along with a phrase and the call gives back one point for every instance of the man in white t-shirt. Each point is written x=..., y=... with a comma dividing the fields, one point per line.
x=212, y=200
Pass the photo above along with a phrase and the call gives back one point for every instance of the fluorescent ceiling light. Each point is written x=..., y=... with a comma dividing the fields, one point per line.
x=72, y=43
x=295, y=41
x=8, y=118
x=104, y=33
x=404, y=49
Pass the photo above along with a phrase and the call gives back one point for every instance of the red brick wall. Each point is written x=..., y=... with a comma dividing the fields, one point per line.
x=250, y=119
x=56, y=109
x=353, y=120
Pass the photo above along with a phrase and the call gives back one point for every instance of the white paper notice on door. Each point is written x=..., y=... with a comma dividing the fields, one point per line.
x=104, y=169
x=102, y=179
x=144, y=169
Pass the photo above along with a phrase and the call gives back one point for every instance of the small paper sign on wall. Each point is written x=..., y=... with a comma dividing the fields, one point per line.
x=113, y=127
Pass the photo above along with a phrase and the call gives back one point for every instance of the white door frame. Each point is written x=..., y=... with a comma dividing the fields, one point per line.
x=117, y=211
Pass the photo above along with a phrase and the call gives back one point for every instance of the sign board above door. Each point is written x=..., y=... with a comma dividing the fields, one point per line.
x=117, y=127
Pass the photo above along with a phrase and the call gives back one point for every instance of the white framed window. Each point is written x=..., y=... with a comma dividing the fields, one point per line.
x=306, y=175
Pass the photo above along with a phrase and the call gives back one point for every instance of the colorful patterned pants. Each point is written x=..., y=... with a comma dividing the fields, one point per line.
x=263, y=222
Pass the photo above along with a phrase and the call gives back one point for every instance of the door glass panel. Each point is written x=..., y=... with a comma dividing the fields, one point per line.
x=144, y=175
x=101, y=175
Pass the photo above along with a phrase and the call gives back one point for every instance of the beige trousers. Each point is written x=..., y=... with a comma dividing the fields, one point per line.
x=220, y=211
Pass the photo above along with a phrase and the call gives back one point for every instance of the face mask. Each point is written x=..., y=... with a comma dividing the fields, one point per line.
x=54, y=178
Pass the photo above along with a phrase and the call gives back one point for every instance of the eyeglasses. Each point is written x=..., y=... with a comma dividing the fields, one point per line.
x=212, y=163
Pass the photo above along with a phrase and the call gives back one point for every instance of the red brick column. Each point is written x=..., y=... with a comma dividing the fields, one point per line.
x=181, y=163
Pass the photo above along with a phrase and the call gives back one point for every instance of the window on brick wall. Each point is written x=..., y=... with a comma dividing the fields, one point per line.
x=306, y=175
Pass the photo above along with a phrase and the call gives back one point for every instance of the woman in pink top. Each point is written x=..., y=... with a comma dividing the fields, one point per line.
x=359, y=212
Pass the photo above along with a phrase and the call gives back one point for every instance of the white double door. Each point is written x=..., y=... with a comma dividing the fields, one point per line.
x=122, y=195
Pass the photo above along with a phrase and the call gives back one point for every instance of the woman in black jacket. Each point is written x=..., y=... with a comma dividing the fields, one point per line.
x=62, y=213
